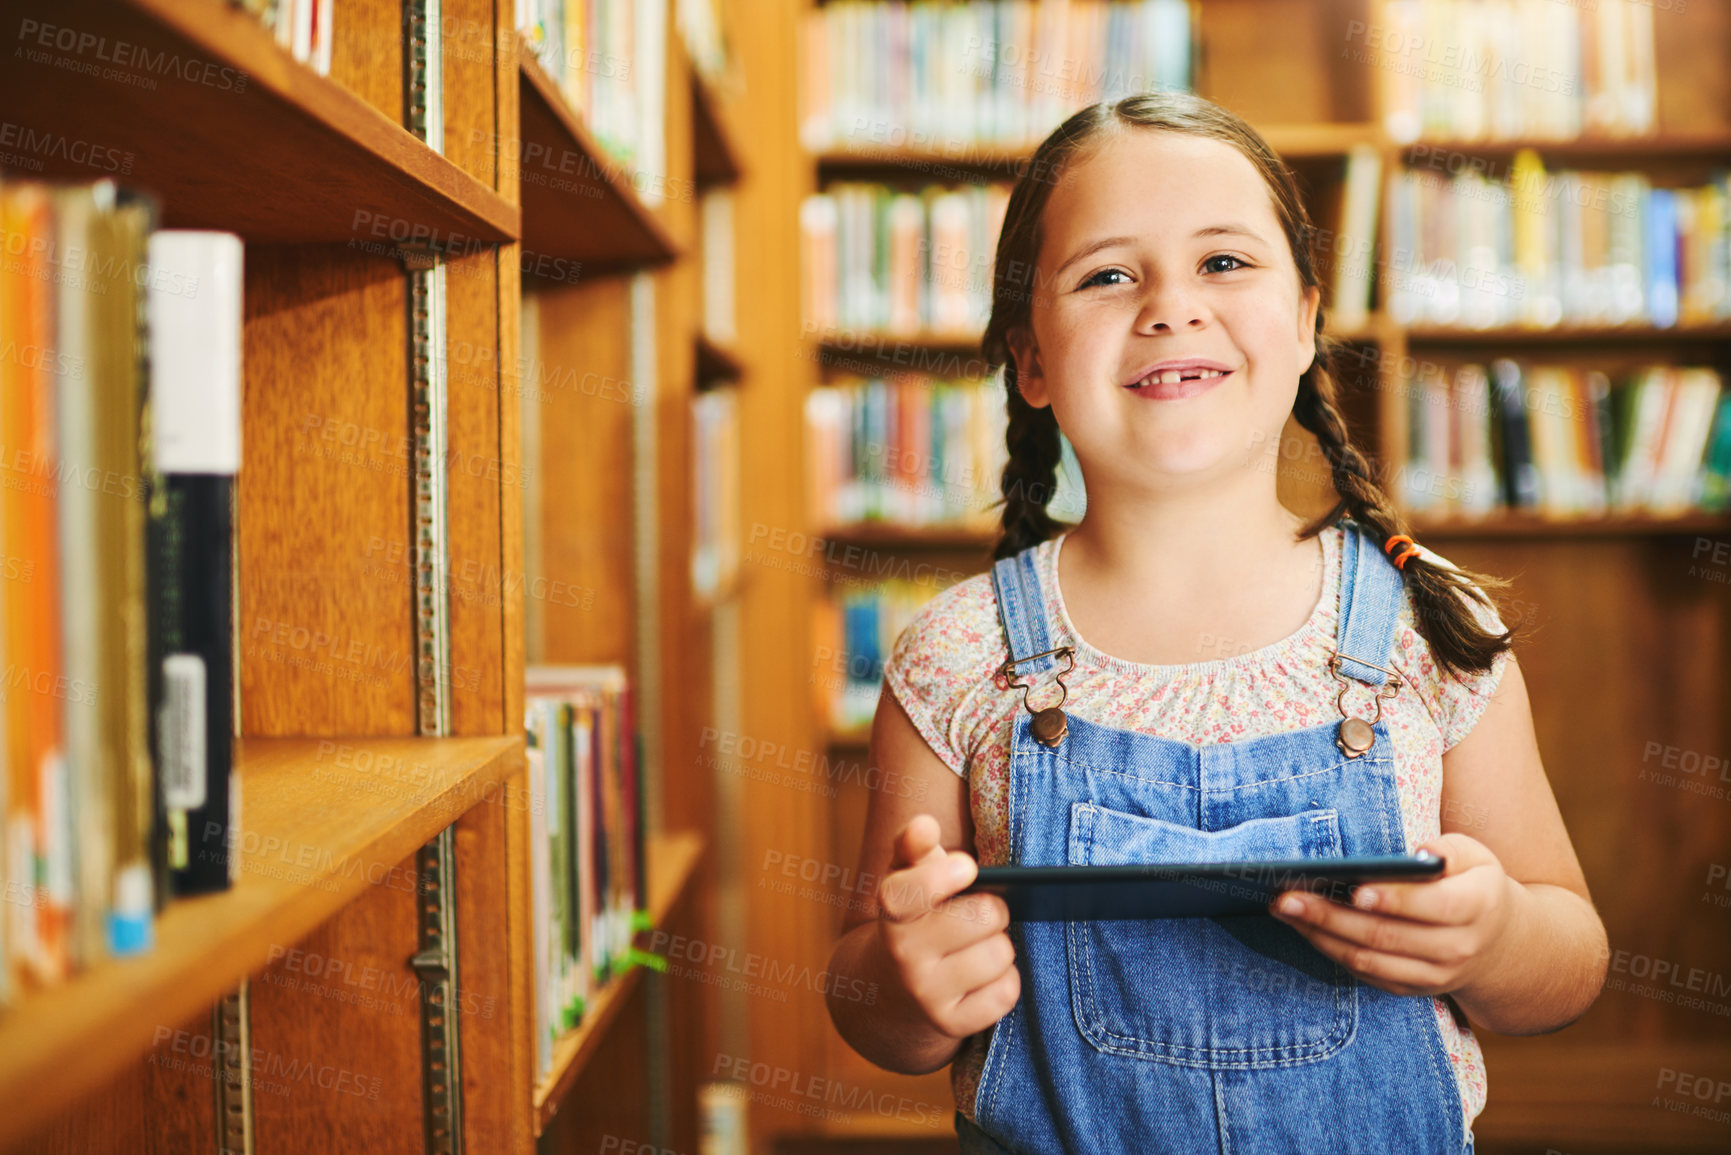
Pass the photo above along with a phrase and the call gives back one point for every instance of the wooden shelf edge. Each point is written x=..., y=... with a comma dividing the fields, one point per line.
x=717, y=160
x=1544, y=528
x=880, y=343
x=716, y=363
x=672, y=861
x=297, y=870
x=1321, y=140
x=216, y=28
x=1430, y=334
x=658, y=244
x=1659, y=145
x=881, y=533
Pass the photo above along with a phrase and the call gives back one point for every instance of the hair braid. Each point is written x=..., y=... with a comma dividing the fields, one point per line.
x=1460, y=644
x=1031, y=473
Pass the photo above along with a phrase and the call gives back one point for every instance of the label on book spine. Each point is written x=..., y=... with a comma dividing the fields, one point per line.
x=182, y=723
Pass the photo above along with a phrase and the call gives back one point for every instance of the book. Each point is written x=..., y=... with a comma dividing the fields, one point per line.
x=1563, y=441
x=195, y=359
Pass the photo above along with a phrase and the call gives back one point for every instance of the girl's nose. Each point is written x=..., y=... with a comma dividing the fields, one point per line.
x=1170, y=306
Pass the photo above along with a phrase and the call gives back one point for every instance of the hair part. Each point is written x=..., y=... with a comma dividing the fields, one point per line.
x=1439, y=594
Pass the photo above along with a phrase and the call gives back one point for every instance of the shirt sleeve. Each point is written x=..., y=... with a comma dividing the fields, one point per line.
x=941, y=667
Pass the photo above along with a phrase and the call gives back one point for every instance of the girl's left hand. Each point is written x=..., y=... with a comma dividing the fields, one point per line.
x=1416, y=938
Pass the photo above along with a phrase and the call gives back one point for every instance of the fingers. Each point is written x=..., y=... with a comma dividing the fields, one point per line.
x=924, y=874
x=971, y=989
x=1381, y=932
x=947, y=928
x=915, y=891
x=987, y=1003
x=915, y=841
x=1396, y=973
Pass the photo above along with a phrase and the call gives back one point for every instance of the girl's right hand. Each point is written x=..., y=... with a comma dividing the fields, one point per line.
x=952, y=955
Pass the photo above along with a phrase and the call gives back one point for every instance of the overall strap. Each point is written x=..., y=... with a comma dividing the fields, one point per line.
x=1370, y=595
x=1022, y=610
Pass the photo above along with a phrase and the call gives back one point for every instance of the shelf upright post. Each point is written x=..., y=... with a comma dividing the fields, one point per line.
x=231, y=1033
x=435, y=913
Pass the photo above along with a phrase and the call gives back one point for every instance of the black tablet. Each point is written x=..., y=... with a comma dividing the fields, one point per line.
x=1186, y=890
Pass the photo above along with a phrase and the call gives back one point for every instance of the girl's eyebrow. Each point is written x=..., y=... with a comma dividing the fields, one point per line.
x=1230, y=229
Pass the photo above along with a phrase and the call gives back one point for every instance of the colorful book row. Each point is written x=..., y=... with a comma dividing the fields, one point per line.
x=603, y=55
x=1511, y=69
x=876, y=258
x=586, y=843
x=304, y=27
x=120, y=354
x=940, y=76
x=853, y=633
x=1548, y=248
x=914, y=451
x=1566, y=441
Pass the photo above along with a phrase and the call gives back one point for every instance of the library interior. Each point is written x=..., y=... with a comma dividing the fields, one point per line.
x=535, y=769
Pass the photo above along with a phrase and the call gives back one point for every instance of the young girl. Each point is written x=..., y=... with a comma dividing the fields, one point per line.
x=1235, y=684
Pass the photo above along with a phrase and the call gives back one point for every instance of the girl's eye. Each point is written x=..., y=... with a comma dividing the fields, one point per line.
x=1237, y=262
x=1095, y=279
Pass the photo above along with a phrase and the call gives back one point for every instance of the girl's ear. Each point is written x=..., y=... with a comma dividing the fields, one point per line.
x=1030, y=376
x=1307, y=307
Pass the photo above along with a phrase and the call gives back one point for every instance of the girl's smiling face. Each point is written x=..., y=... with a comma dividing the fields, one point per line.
x=1163, y=248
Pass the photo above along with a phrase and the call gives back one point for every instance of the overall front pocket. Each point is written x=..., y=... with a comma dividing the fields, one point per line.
x=1220, y=993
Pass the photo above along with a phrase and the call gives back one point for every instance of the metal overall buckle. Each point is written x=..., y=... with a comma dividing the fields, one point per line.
x=1049, y=726
x=1356, y=736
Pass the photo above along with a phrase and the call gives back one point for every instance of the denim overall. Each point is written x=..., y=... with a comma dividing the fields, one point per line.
x=1229, y=1036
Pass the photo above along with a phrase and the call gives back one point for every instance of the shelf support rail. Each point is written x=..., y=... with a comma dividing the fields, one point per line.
x=435, y=962
x=230, y=1028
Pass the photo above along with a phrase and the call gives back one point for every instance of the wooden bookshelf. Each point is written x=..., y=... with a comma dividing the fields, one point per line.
x=267, y=148
x=1615, y=591
x=579, y=203
x=324, y=822
x=672, y=862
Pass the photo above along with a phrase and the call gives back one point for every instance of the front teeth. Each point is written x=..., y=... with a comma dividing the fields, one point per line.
x=1173, y=376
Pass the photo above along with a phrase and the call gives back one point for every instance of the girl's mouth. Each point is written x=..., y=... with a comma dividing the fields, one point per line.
x=1177, y=384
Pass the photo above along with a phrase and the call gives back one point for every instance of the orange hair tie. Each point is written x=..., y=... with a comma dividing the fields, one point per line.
x=1412, y=548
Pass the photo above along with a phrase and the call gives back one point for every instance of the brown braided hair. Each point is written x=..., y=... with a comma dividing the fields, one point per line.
x=1461, y=644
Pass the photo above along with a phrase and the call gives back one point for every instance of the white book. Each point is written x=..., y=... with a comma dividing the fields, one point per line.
x=1641, y=90
x=1357, y=241
x=541, y=883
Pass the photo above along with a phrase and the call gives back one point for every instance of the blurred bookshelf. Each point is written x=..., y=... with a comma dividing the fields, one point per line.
x=1314, y=78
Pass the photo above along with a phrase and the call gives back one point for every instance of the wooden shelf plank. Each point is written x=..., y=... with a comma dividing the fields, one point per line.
x=578, y=201
x=716, y=363
x=1709, y=145
x=256, y=143
x=1561, y=334
x=1006, y=161
x=672, y=861
x=889, y=534
x=717, y=160
x=899, y=347
x=322, y=820
x=1528, y=525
